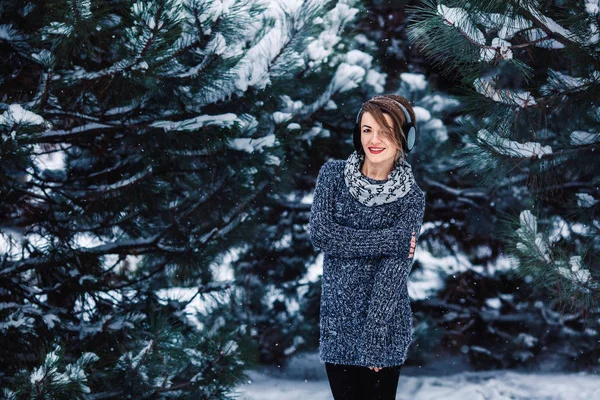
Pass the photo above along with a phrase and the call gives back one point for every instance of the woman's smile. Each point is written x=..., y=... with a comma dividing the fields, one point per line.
x=376, y=150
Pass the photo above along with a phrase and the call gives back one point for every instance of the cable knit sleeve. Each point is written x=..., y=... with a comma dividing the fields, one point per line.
x=344, y=241
x=391, y=277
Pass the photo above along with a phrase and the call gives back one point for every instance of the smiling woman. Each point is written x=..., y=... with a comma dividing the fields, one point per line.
x=385, y=125
x=366, y=217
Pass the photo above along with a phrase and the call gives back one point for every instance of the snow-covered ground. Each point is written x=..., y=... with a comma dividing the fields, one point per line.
x=307, y=380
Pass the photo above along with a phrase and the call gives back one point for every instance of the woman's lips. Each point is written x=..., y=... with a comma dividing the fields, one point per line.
x=376, y=150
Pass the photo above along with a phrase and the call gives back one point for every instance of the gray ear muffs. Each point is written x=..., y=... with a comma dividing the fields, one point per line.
x=409, y=128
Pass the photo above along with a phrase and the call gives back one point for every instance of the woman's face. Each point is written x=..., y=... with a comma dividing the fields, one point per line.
x=373, y=140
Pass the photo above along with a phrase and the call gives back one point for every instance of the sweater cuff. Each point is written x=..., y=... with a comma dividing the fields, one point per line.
x=375, y=344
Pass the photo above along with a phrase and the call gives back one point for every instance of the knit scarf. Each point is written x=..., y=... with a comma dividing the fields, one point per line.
x=399, y=182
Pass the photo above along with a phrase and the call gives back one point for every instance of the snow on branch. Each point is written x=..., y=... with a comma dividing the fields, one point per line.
x=592, y=7
x=511, y=148
x=10, y=34
x=542, y=39
x=459, y=18
x=121, y=246
x=346, y=77
x=17, y=115
x=151, y=26
x=531, y=241
x=47, y=381
x=86, y=128
x=506, y=25
x=559, y=82
x=499, y=48
x=582, y=138
x=251, y=145
x=320, y=49
x=465, y=25
x=585, y=200
x=576, y=273
x=116, y=185
x=521, y=99
x=539, y=29
x=550, y=27
x=227, y=120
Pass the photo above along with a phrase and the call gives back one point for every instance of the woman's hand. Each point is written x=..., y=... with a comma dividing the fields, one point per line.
x=413, y=243
x=375, y=368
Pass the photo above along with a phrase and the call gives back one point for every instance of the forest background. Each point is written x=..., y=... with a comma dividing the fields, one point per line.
x=158, y=160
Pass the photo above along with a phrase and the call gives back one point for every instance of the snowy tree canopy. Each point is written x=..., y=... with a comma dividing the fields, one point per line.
x=529, y=72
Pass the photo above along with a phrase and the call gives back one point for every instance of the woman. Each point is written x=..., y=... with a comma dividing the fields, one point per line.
x=366, y=217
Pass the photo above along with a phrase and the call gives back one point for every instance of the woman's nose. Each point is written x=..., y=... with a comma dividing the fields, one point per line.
x=376, y=137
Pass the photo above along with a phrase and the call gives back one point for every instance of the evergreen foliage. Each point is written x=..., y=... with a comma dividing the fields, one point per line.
x=529, y=75
x=277, y=301
x=140, y=143
x=496, y=321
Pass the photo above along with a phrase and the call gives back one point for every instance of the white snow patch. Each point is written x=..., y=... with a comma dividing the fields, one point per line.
x=53, y=160
x=314, y=132
x=459, y=18
x=561, y=82
x=50, y=320
x=580, y=138
x=499, y=47
x=8, y=33
x=421, y=114
x=376, y=80
x=346, y=77
x=535, y=34
x=273, y=160
x=550, y=23
x=493, y=302
x=291, y=106
x=280, y=117
x=16, y=114
x=585, y=200
x=506, y=24
x=415, y=82
x=437, y=103
x=576, y=273
x=513, y=148
x=360, y=58
x=251, y=145
x=438, y=129
x=319, y=50
x=521, y=99
x=591, y=7
x=223, y=120
x=311, y=383
x=314, y=271
x=330, y=105
x=559, y=229
x=530, y=237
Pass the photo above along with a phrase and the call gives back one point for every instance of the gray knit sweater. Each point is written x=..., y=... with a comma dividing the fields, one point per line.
x=366, y=317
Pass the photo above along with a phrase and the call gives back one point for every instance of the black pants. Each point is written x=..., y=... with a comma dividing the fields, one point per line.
x=352, y=382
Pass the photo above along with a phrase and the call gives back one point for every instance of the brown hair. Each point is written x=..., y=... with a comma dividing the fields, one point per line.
x=384, y=104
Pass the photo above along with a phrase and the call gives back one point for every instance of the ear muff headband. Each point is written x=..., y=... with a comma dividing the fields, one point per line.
x=408, y=127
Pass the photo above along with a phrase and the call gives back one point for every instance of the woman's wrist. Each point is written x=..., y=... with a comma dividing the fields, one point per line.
x=413, y=245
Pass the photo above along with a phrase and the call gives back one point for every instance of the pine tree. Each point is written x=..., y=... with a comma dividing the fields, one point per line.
x=529, y=73
x=139, y=144
x=277, y=302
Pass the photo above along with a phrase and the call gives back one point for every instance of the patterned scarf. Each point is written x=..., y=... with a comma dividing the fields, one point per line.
x=399, y=182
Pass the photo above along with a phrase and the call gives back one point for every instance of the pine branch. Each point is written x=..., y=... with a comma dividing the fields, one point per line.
x=538, y=19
